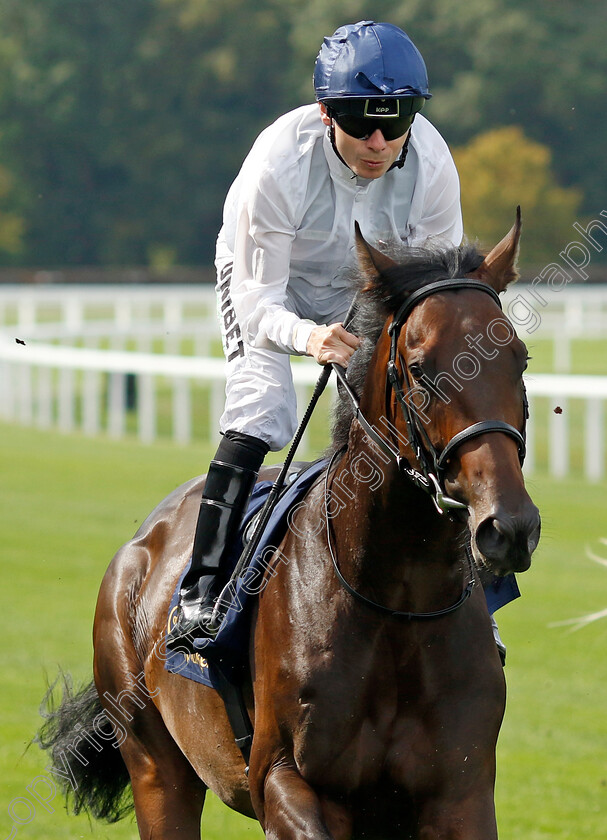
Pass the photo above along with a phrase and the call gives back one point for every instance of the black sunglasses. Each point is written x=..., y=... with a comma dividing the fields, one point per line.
x=361, y=128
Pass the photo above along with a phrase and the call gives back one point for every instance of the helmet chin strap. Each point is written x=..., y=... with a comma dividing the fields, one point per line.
x=398, y=164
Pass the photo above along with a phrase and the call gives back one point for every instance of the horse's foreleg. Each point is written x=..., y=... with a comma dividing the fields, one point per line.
x=467, y=819
x=292, y=810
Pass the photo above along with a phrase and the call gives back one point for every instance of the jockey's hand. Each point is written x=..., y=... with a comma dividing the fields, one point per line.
x=332, y=344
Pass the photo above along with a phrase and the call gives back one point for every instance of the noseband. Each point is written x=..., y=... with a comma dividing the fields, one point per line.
x=432, y=464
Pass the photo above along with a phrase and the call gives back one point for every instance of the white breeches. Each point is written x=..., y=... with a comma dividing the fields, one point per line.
x=260, y=396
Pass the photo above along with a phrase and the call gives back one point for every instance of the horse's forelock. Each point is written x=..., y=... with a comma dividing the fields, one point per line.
x=418, y=268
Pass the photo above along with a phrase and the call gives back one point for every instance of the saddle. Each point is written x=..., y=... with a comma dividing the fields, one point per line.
x=226, y=655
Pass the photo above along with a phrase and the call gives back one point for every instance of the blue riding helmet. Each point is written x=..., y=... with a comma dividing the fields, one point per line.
x=366, y=60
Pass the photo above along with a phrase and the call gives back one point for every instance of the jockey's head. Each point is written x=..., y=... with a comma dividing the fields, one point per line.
x=370, y=76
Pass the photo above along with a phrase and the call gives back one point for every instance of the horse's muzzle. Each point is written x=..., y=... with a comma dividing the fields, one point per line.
x=506, y=542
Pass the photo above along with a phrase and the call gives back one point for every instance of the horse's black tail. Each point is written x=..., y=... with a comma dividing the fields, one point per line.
x=85, y=760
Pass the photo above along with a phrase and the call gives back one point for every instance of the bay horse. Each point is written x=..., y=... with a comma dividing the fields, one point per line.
x=376, y=688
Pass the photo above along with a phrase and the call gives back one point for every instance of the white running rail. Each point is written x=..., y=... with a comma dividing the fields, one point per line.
x=60, y=378
x=70, y=387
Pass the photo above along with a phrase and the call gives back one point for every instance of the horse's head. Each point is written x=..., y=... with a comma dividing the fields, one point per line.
x=455, y=393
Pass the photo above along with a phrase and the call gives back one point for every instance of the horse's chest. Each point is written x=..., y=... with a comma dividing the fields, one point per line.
x=365, y=719
x=346, y=726
x=335, y=739
x=342, y=745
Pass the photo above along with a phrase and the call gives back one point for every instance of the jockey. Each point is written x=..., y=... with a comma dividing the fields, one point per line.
x=286, y=248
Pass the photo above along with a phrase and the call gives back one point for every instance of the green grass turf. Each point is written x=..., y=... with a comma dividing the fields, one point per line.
x=67, y=503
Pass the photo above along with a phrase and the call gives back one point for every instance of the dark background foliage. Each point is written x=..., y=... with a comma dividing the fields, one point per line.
x=123, y=124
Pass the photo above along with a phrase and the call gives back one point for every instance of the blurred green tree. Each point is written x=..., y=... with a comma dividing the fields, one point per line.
x=540, y=65
x=11, y=225
x=494, y=63
x=502, y=168
x=123, y=124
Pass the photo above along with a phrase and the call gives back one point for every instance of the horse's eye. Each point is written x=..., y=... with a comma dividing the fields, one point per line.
x=416, y=370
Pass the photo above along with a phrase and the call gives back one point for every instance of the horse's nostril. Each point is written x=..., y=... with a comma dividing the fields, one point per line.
x=507, y=542
x=534, y=533
x=493, y=538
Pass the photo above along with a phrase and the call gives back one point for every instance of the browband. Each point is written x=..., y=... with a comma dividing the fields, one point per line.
x=452, y=284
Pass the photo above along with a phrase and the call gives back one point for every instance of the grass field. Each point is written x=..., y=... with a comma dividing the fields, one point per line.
x=66, y=504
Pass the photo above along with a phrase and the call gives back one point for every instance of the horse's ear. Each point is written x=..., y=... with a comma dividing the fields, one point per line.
x=372, y=262
x=498, y=269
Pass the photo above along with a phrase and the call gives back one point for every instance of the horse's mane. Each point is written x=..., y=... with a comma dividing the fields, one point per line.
x=417, y=267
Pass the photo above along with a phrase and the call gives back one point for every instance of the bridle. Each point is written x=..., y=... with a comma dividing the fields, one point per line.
x=432, y=465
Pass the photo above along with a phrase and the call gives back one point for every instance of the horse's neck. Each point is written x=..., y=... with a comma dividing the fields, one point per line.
x=388, y=536
x=373, y=502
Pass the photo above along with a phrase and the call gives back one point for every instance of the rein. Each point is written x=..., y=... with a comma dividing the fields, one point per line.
x=380, y=608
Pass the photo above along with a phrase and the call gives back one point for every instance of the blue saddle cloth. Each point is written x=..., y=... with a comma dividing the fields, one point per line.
x=229, y=650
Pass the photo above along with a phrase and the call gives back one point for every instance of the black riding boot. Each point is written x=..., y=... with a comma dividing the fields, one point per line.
x=226, y=493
